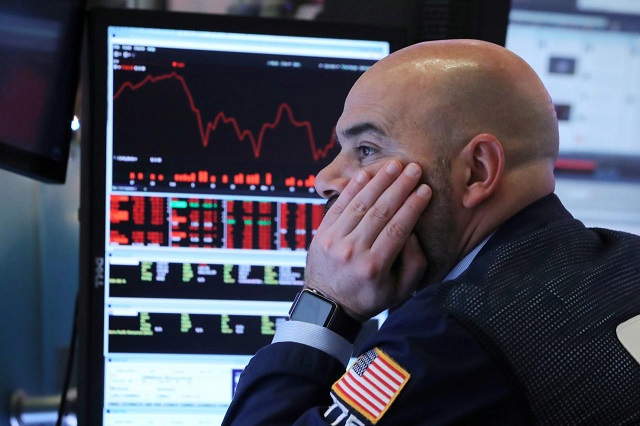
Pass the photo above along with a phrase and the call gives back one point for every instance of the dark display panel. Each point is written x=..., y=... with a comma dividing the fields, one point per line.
x=173, y=133
x=40, y=47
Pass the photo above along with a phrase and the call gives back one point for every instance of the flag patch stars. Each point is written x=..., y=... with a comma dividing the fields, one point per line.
x=372, y=384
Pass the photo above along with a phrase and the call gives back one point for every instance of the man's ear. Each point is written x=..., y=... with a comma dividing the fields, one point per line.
x=483, y=160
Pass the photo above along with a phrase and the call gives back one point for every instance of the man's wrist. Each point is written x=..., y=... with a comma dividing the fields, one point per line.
x=311, y=306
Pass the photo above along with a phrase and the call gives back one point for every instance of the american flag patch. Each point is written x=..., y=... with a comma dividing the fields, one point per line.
x=371, y=384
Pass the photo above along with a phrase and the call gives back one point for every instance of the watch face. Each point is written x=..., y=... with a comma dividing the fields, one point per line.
x=313, y=309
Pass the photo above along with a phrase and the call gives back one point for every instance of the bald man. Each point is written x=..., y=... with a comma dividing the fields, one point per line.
x=503, y=308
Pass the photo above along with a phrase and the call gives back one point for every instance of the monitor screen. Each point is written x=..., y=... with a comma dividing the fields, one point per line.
x=198, y=199
x=587, y=53
x=40, y=47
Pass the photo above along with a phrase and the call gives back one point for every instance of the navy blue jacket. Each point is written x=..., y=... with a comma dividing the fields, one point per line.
x=451, y=377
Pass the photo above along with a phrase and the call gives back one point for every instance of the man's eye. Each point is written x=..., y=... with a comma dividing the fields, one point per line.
x=364, y=151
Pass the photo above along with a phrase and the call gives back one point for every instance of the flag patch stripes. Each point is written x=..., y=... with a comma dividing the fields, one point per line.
x=371, y=384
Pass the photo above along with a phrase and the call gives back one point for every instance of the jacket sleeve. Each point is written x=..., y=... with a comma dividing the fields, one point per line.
x=450, y=378
x=282, y=383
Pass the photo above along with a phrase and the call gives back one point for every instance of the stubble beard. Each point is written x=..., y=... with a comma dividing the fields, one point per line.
x=437, y=226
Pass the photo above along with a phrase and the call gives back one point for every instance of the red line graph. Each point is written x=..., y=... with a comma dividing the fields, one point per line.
x=221, y=117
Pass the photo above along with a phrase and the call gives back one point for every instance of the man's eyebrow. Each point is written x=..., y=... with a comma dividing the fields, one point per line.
x=358, y=129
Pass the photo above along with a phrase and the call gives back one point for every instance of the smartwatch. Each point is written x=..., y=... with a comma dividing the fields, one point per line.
x=312, y=307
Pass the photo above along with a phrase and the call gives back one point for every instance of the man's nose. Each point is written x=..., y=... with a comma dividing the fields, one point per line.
x=332, y=179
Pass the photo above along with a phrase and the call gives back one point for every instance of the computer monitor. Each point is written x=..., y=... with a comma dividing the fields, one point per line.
x=587, y=53
x=198, y=199
x=40, y=45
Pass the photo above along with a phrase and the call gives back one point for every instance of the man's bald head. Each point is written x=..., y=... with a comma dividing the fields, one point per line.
x=461, y=88
x=476, y=119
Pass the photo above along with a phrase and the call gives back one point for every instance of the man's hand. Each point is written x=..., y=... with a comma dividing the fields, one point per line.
x=364, y=254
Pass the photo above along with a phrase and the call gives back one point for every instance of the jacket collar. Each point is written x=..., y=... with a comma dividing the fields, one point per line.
x=536, y=215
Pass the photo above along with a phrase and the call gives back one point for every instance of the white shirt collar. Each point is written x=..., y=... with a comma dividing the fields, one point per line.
x=466, y=261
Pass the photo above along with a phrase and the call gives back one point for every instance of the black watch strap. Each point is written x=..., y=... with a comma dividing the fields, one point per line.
x=313, y=307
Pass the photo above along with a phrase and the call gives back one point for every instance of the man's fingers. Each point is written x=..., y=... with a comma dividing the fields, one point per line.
x=366, y=209
x=346, y=196
x=381, y=217
x=394, y=235
x=361, y=205
x=358, y=197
